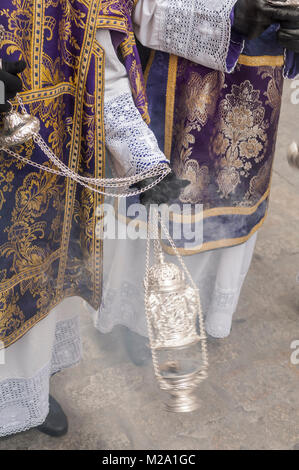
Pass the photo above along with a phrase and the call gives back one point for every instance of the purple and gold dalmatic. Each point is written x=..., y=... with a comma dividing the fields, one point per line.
x=48, y=246
x=219, y=131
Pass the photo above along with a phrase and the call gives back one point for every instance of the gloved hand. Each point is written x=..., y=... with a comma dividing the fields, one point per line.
x=253, y=17
x=288, y=35
x=12, y=83
x=167, y=190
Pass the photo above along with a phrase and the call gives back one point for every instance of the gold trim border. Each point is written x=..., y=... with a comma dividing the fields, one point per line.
x=100, y=60
x=170, y=102
x=258, y=61
x=149, y=66
x=218, y=211
x=224, y=243
x=47, y=93
x=111, y=23
x=85, y=57
x=37, y=43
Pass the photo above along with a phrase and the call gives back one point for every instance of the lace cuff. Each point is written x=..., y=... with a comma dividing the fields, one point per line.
x=132, y=144
x=199, y=30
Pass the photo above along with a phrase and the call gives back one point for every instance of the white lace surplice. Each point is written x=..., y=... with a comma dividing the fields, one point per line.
x=198, y=30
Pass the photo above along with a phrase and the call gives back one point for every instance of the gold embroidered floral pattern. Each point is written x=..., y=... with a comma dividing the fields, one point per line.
x=197, y=105
x=241, y=136
x=199, y=180
x=274, y=89
x=11, y=316
x=258, y=185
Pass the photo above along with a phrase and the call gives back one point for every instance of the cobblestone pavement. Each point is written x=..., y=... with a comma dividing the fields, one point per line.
x=251, y=399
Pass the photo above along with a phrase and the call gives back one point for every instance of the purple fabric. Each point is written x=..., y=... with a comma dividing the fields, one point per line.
x=223, y=139
x=235, y=48
x=231, y=133
x=291, y=69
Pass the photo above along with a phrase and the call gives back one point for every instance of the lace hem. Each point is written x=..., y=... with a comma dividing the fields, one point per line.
x=220, y=316
x=24, y=402
x=122, y=306
x=198, y=30
x=132, y=144
x=219, y=324
x=125, y=306
x=67, y=349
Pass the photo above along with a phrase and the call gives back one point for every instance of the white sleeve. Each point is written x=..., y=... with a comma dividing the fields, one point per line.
x=130, y=141
x=198, y=30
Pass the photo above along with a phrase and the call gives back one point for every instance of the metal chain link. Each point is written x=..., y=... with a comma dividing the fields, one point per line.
x=159, y=171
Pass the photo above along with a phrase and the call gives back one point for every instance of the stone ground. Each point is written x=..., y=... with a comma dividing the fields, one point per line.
x=251, y=399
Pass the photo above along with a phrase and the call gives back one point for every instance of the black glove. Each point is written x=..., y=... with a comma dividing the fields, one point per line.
x=169, y=189
x=253, y=17
x=12, y=83
x=288, y=35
